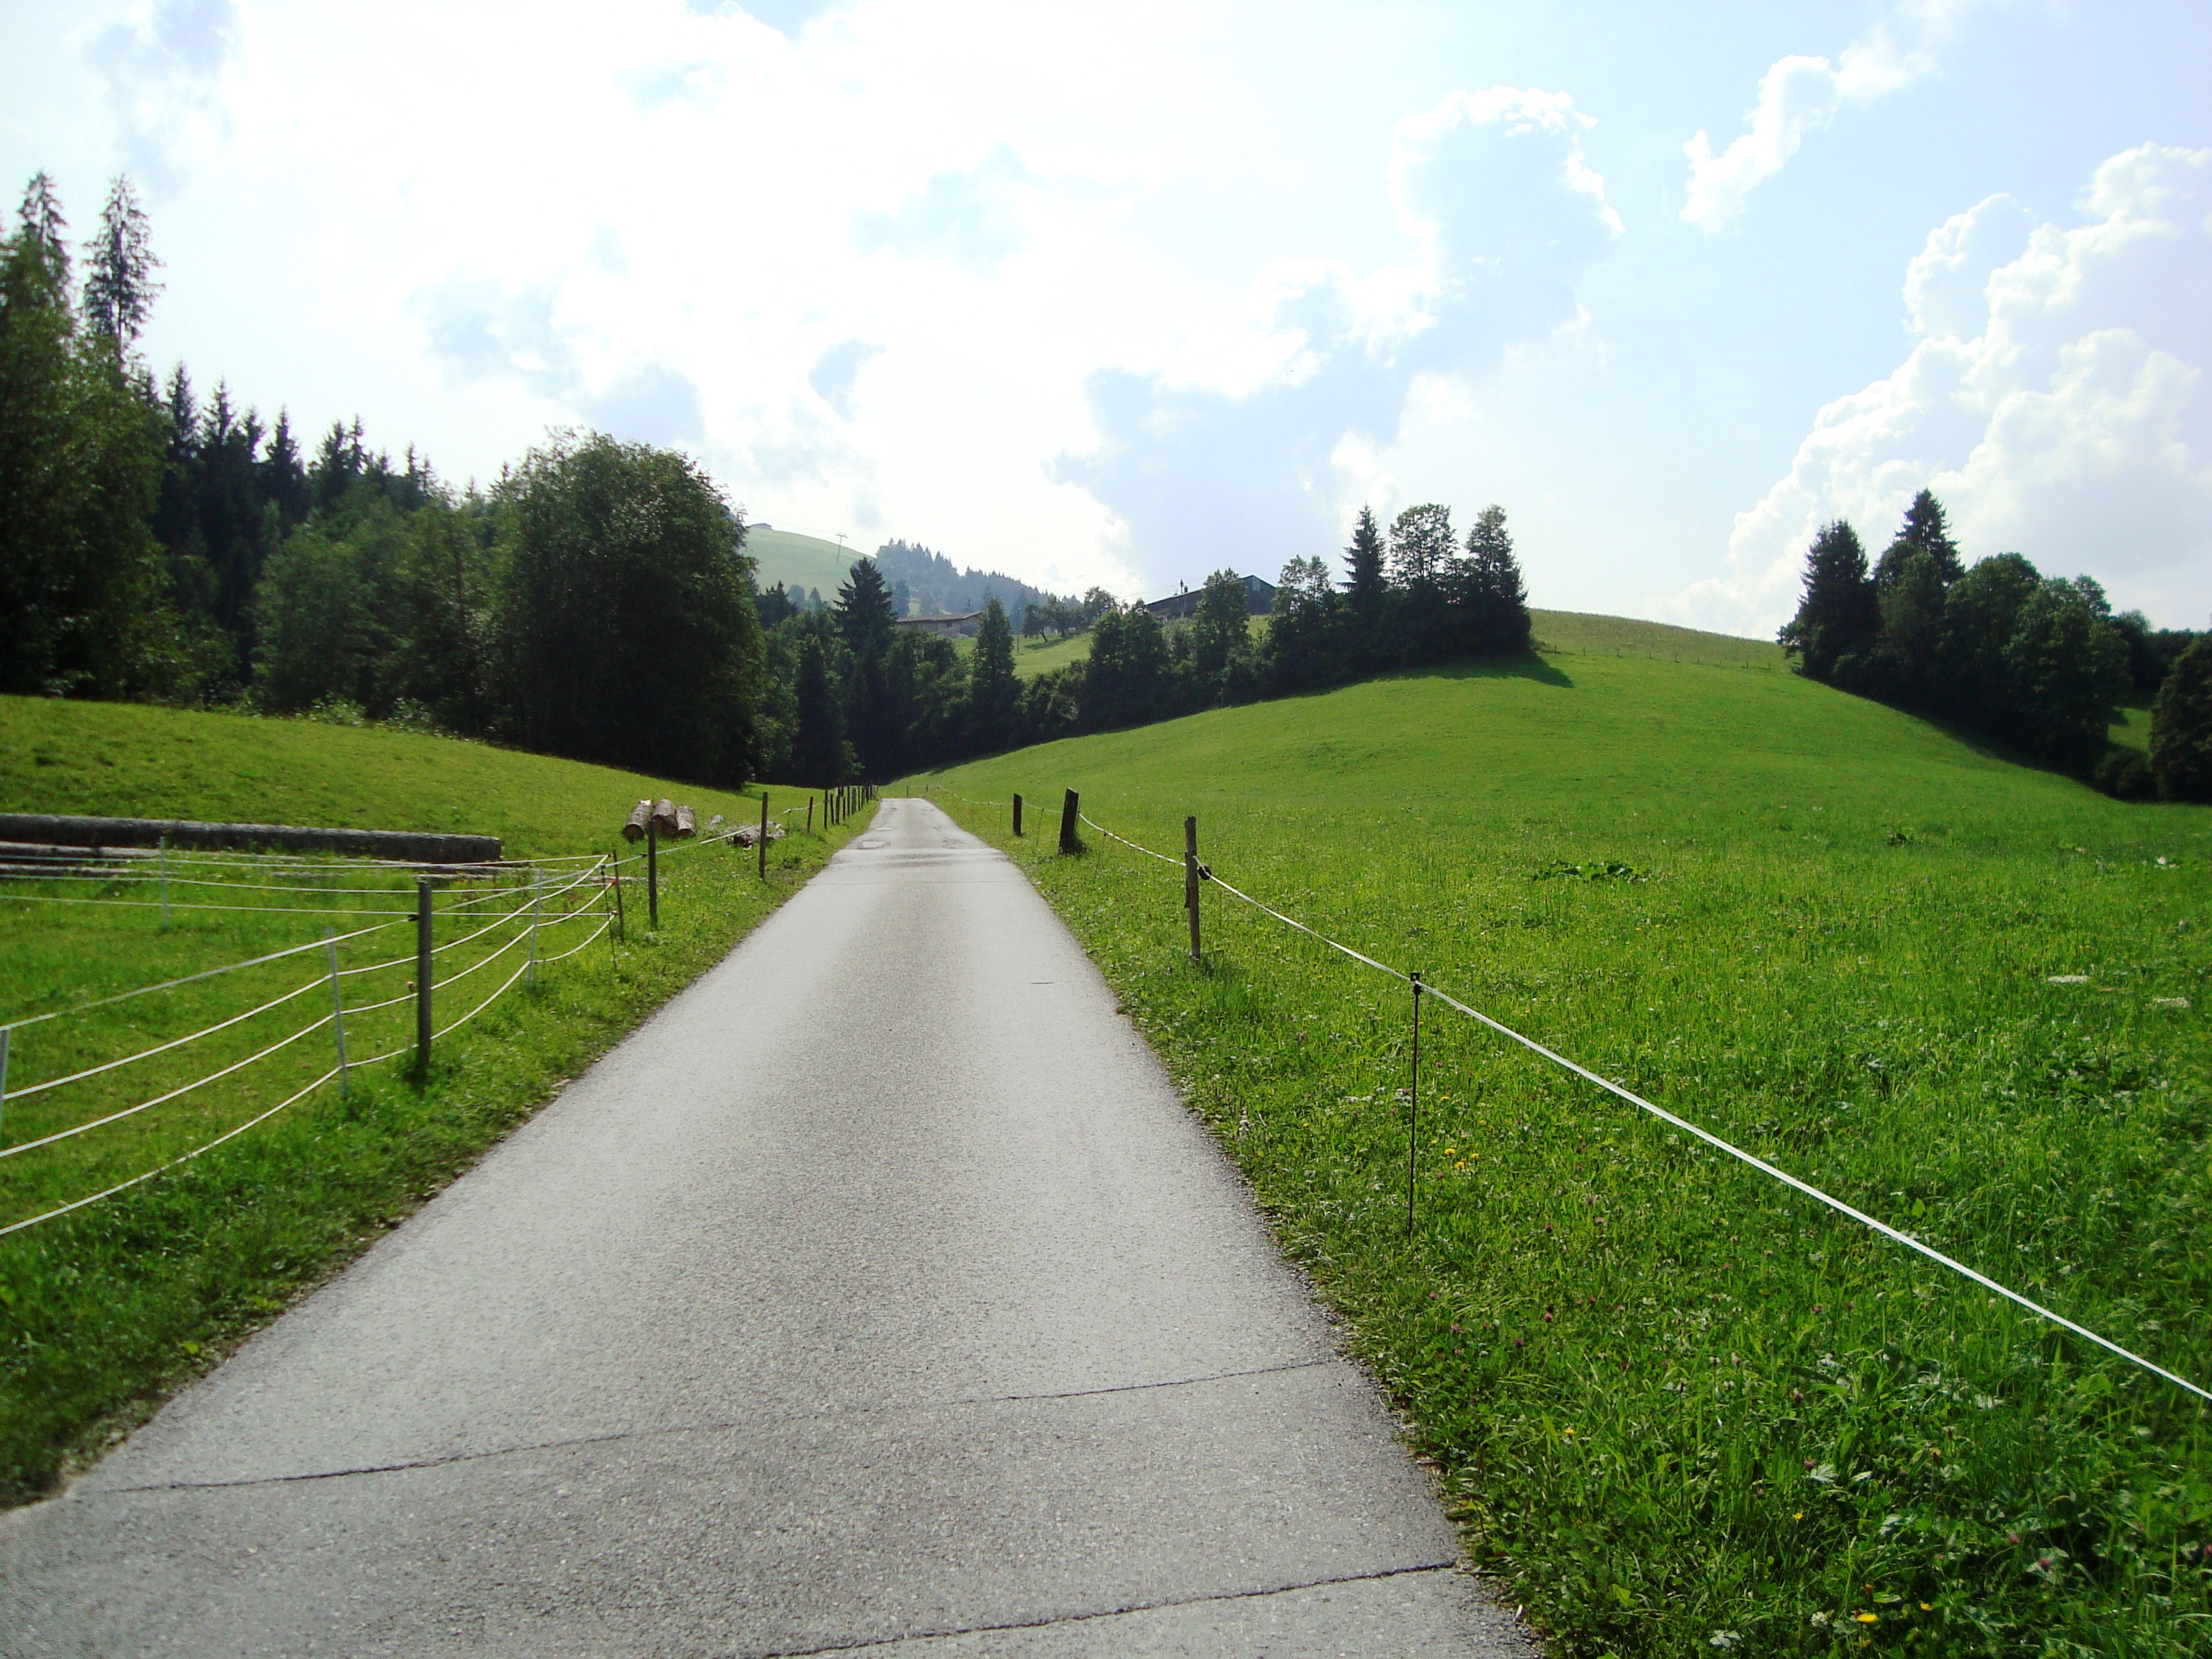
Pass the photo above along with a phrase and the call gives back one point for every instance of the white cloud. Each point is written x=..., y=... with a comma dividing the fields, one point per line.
x=1506, y=216
x=2055, y=400
x=1799, y=95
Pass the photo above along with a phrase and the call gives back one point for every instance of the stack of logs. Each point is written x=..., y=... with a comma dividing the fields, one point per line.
x=668, y=822
x=672, y=822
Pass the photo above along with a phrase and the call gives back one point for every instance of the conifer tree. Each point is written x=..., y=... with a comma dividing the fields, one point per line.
x=1837, y=615
x=1924, y=531
x=1363, y=562
x=40, y=216
x=2181, y=726
x=994, y=694
x=119, y=274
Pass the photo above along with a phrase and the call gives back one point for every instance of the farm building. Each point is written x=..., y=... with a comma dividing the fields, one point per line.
x=952, y=624
x=1260, y=600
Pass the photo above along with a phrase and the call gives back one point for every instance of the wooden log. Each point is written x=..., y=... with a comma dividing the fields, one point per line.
x=687, y=823
x=403, y=845
x=634, y=829
x=663, y=818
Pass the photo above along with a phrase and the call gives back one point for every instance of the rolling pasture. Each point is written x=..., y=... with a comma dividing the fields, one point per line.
x=1681, y=1407
x=104, y=1309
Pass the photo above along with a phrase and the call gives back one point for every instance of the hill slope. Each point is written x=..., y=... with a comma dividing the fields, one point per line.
x=799, y=561
x=129, y=760
x=1677, y=1401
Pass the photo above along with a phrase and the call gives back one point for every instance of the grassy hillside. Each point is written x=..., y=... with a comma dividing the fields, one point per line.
x=799, y=561
x=105, y=1309
x=1684, y=1409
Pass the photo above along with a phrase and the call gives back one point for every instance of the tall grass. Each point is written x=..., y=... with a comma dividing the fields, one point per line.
x=1684, y=1409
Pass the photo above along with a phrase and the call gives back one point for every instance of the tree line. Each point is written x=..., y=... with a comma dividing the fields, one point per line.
x=596, y=601
x=2038, y=663
x=854, y=696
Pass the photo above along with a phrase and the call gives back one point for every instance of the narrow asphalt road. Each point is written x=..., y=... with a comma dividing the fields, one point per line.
x=881, y=1291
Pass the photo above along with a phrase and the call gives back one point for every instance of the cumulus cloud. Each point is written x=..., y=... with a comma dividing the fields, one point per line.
x=971, y=219
x=2054, y=398
x=164, y=75
x=1504, y=216
x=1799, y=95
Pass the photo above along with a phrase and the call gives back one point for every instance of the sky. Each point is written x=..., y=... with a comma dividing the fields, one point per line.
x=1123, y=295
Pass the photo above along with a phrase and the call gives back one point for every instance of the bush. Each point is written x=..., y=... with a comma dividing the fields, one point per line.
x=2125, y=774
x=2181, y=727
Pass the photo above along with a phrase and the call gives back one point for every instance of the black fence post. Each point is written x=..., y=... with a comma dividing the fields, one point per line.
x=1069, y=811
x=423, y=966
x=763, y=838
x=1017, y=815
x=653, y=875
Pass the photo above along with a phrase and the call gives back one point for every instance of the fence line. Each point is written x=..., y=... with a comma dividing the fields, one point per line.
x=1748, y=1158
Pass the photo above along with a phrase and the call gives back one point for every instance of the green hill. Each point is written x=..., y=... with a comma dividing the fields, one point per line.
x=805, y=562
x=1675, y=1400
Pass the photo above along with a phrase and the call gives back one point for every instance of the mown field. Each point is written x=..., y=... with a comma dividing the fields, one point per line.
x=1682, y=1407
x=104, y=1310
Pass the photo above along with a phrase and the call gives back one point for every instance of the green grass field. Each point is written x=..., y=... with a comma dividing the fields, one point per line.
x=1685, y=1409
x=104, y=1310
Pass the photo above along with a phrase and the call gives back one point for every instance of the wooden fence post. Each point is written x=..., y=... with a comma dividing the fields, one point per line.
x=1190, y=880
x=1069, y=811
x=651, y=876
x=423, y=966
x=763, y=840
x=1017, y=815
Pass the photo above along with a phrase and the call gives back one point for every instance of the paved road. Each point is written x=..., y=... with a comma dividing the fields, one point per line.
x=879, y=1292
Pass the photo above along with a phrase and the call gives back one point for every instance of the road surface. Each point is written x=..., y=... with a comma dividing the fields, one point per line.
x=879, y=1293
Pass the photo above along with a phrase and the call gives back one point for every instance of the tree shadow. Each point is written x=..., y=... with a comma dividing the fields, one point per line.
x=1522, y=665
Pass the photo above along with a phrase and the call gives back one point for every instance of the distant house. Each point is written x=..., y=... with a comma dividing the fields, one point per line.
x=1260, y=600
x=951, y=625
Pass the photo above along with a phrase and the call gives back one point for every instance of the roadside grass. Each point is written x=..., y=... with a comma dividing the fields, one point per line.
x=1682, y=1407
x=106, y=1311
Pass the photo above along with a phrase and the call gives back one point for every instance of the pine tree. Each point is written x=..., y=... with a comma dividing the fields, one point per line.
x=1363, y=563
x=1838, y=617
x=118, y=277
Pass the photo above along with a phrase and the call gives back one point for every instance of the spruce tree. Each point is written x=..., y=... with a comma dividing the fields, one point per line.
x=1493, y=601
x=119, y=274
x=40, y=216
x=864, y=615
x=1363, y=563
x=1924, y=531
x=1838, y=617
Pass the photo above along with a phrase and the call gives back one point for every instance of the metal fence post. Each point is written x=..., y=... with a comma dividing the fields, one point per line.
x=536, y=887
x=763, y=838
x=652, y=877
x=422, y=965
x=4, y=1030
x=338, y=1004
x=622, y=931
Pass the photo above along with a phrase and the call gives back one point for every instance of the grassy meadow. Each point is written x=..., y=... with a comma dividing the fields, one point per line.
x=104, y=1310
x=1682, y=1407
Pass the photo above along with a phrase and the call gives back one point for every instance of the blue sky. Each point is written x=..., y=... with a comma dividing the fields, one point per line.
x=1122, y=295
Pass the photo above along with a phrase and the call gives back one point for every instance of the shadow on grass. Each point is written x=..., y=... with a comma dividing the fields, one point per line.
x=1526, y=666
